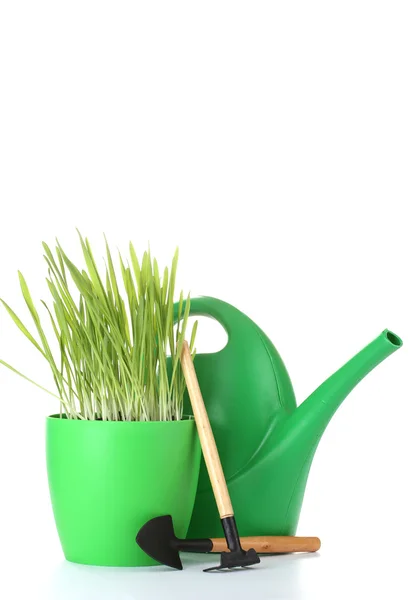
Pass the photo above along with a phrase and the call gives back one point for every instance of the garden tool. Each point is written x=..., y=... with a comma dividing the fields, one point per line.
x=236, y=557
x=158, y=540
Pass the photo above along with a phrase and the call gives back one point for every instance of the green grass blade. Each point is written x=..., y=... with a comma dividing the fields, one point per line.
x=28, y=379
x=21, y=326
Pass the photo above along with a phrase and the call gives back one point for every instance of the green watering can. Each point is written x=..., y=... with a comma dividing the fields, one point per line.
x=266, y=443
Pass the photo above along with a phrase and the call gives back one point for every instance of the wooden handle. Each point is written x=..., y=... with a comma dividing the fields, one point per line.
x=272, y=544
x=207, y=441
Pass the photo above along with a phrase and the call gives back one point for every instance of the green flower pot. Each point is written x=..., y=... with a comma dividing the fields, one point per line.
x=107, y=478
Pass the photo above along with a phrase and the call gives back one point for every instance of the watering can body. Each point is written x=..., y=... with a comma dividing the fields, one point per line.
x=266, y=443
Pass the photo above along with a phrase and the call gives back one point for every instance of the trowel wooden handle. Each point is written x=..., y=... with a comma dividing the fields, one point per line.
x=207, y=441
x=272, y=544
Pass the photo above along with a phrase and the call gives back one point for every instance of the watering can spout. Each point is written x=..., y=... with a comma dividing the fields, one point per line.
x=308, y=422
x=288, y=451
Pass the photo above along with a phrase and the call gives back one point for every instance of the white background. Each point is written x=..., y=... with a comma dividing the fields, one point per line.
x=274, y=142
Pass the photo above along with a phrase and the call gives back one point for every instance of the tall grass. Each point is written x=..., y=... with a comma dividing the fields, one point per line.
x=112, y=335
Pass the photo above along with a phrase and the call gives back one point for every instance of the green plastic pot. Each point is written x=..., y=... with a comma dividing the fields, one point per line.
x=107, y=478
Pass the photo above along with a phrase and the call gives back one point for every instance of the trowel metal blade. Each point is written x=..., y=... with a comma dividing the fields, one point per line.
x=156, y=538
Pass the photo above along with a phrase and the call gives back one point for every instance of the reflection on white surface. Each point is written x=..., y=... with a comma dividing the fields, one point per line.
x=339, y=573
x=276, y=577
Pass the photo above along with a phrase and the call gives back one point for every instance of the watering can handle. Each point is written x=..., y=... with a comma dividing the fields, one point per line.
x=242, y=333
x=231, y=319
x=214, y=308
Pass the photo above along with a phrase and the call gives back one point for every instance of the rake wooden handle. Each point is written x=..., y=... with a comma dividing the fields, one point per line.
x=207, y=441
x=272, y=544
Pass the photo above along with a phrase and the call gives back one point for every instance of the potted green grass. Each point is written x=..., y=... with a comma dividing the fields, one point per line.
x=120, y=451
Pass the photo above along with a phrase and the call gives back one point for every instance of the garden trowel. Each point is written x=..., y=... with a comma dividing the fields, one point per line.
x=158, y=540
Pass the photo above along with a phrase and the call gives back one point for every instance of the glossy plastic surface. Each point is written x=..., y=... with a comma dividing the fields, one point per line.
x=108, y=478
x=265, y=442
